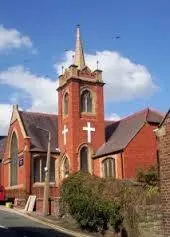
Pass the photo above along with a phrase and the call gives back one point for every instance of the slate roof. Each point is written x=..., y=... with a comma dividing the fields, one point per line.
x=120, y=133
x=39, y=138
x=2, y=145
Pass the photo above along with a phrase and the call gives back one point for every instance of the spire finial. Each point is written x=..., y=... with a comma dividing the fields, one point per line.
x=79, y=54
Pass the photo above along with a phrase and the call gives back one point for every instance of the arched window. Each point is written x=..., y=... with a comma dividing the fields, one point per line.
x=66, y=104
x=86, y=101
x=39, y=172
x=65, y=167
x=84, y=159
x=109, y=168
x=14, y=160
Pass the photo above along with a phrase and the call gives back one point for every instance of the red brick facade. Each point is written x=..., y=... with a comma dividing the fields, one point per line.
x=25, y=185
x=75, y=120
x=141, y=152
x=23, y=179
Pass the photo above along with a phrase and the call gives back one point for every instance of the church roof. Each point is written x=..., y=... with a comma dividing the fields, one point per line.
x=32, y=123
x=120, y=133
x=2, y=145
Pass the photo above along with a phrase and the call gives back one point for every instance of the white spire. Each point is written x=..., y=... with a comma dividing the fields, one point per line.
x=79, y=54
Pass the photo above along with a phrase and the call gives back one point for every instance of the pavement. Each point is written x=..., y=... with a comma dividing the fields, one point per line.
x=17, y=223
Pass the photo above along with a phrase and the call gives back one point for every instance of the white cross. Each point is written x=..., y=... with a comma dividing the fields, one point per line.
x=65, y=130
x=89, y=130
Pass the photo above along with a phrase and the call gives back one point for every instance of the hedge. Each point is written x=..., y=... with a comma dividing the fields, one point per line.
x=81, y=194
x=97, y=203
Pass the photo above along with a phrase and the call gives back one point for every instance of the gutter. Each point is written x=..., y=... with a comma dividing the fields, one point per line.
x=109, y=153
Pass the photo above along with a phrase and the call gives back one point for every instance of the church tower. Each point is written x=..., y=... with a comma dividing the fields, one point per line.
x=80, y=114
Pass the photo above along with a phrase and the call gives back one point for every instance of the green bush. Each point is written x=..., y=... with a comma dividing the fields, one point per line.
x=82, y=194
x=149, y=176
x=97, y=203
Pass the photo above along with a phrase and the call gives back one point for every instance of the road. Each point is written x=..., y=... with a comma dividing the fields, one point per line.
x=14, y=225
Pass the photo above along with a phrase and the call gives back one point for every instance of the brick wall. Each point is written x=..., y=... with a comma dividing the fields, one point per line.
x=163, y=135
x=151, y=226
x=54, y=195
x=141, y=152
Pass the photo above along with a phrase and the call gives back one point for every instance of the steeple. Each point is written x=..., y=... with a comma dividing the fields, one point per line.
x=79, y=54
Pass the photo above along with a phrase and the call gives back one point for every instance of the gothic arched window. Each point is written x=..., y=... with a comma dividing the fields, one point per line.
x=84, y=159
x=14, y=160
x=86, y=101
x=109, y=168
x=66, y=104
x=65, y=167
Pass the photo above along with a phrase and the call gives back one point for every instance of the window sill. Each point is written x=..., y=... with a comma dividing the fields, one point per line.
x=41, y=184
x=87, y=114
x=65, y=116
x=19, y=186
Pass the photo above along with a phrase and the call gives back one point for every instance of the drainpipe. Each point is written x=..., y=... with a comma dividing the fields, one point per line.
x=121, y=155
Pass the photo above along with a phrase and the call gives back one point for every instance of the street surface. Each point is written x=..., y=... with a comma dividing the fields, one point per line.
x=14, y=225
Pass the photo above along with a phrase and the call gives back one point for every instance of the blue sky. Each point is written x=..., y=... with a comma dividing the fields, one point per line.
x=49, y=28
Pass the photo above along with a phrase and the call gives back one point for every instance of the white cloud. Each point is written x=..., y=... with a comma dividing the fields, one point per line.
x=12, y=38
x=113, y=117
x=5, y=115
x=40, y=90
x=124, y=79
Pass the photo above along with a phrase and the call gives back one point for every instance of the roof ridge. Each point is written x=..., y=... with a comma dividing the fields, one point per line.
x=147, y=114
x=158, y=112
x=37, y=113
x=127, y=117
x=134, y=114
x=147, y=109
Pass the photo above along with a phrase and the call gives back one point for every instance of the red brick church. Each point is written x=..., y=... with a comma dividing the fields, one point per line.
x=81, y=139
